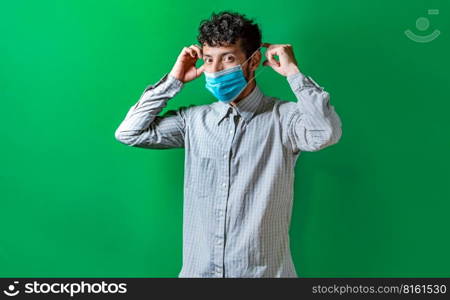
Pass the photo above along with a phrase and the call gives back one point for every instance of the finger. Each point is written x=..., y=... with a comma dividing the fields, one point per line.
x=267, y=45
x=268, y=64
x=200, y=70
x=185, y=52
x=287, y=54
x=271, y=59
x=198, y=50
x=191, y=52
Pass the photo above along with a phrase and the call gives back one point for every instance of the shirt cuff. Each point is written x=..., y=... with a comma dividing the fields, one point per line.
x=299, y=81
x=168, y=82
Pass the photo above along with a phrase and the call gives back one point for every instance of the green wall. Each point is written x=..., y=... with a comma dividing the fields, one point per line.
x=76, y=202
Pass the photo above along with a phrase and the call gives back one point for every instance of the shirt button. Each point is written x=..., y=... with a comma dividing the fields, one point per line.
x=219, y=242
x=225, y=156
x=220, y=213
x=224, y=184
x=231, y=131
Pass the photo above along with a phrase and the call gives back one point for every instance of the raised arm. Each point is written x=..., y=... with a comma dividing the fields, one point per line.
x=143, y=126
x=313, y=124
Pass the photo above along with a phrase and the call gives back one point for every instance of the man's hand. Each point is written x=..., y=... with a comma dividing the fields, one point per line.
x=287, y=65
x=184, y=68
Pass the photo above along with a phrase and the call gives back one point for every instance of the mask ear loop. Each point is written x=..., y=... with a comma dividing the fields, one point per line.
x=256, y=75
x=251, y=78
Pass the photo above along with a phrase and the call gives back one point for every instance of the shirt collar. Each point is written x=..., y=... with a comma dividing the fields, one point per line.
x=246, y=107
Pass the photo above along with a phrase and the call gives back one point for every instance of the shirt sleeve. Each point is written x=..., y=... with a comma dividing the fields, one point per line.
x=313, y=124
x=144, y=127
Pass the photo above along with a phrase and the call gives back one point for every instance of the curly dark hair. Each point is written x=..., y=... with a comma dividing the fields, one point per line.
x=227, y=28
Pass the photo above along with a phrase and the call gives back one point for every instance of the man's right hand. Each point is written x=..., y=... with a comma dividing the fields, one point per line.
x=184, y=68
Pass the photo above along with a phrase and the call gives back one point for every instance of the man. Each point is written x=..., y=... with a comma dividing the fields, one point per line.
x=240, y=151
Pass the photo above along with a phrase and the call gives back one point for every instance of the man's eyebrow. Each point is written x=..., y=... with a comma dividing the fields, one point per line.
x=225, y=53
x=228, y=52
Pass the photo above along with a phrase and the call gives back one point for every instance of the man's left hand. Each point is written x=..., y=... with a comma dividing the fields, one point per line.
x=286, y=65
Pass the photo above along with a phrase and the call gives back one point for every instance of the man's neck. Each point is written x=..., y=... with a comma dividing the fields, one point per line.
x=244, y=93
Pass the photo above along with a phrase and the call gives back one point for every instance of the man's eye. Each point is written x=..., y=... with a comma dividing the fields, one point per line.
x=229, y=58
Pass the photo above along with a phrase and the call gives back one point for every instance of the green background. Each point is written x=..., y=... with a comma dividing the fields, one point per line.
x=76, y=202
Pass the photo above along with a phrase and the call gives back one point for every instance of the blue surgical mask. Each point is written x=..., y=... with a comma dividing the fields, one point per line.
x=226, y=85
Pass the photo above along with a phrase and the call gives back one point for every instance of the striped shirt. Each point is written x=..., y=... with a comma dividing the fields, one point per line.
x=239, y=170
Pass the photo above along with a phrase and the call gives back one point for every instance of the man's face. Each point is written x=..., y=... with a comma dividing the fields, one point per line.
x=224, y=57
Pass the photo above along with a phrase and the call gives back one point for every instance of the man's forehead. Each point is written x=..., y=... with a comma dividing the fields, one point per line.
x=220, y=50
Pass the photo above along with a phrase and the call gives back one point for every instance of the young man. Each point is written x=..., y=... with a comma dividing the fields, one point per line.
x=240, y=151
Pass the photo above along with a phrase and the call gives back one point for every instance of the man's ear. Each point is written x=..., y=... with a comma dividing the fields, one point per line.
x=255, y=61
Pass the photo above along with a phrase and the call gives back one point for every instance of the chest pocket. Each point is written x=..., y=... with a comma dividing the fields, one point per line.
x=205, y=177
x=209, y=148
x=207, y=157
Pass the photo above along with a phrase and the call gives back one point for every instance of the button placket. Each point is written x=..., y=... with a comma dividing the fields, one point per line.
x=234, y=120
x=219, y=238
x=222, y=206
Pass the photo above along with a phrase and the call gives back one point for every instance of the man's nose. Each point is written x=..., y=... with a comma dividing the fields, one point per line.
x=216, y=67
